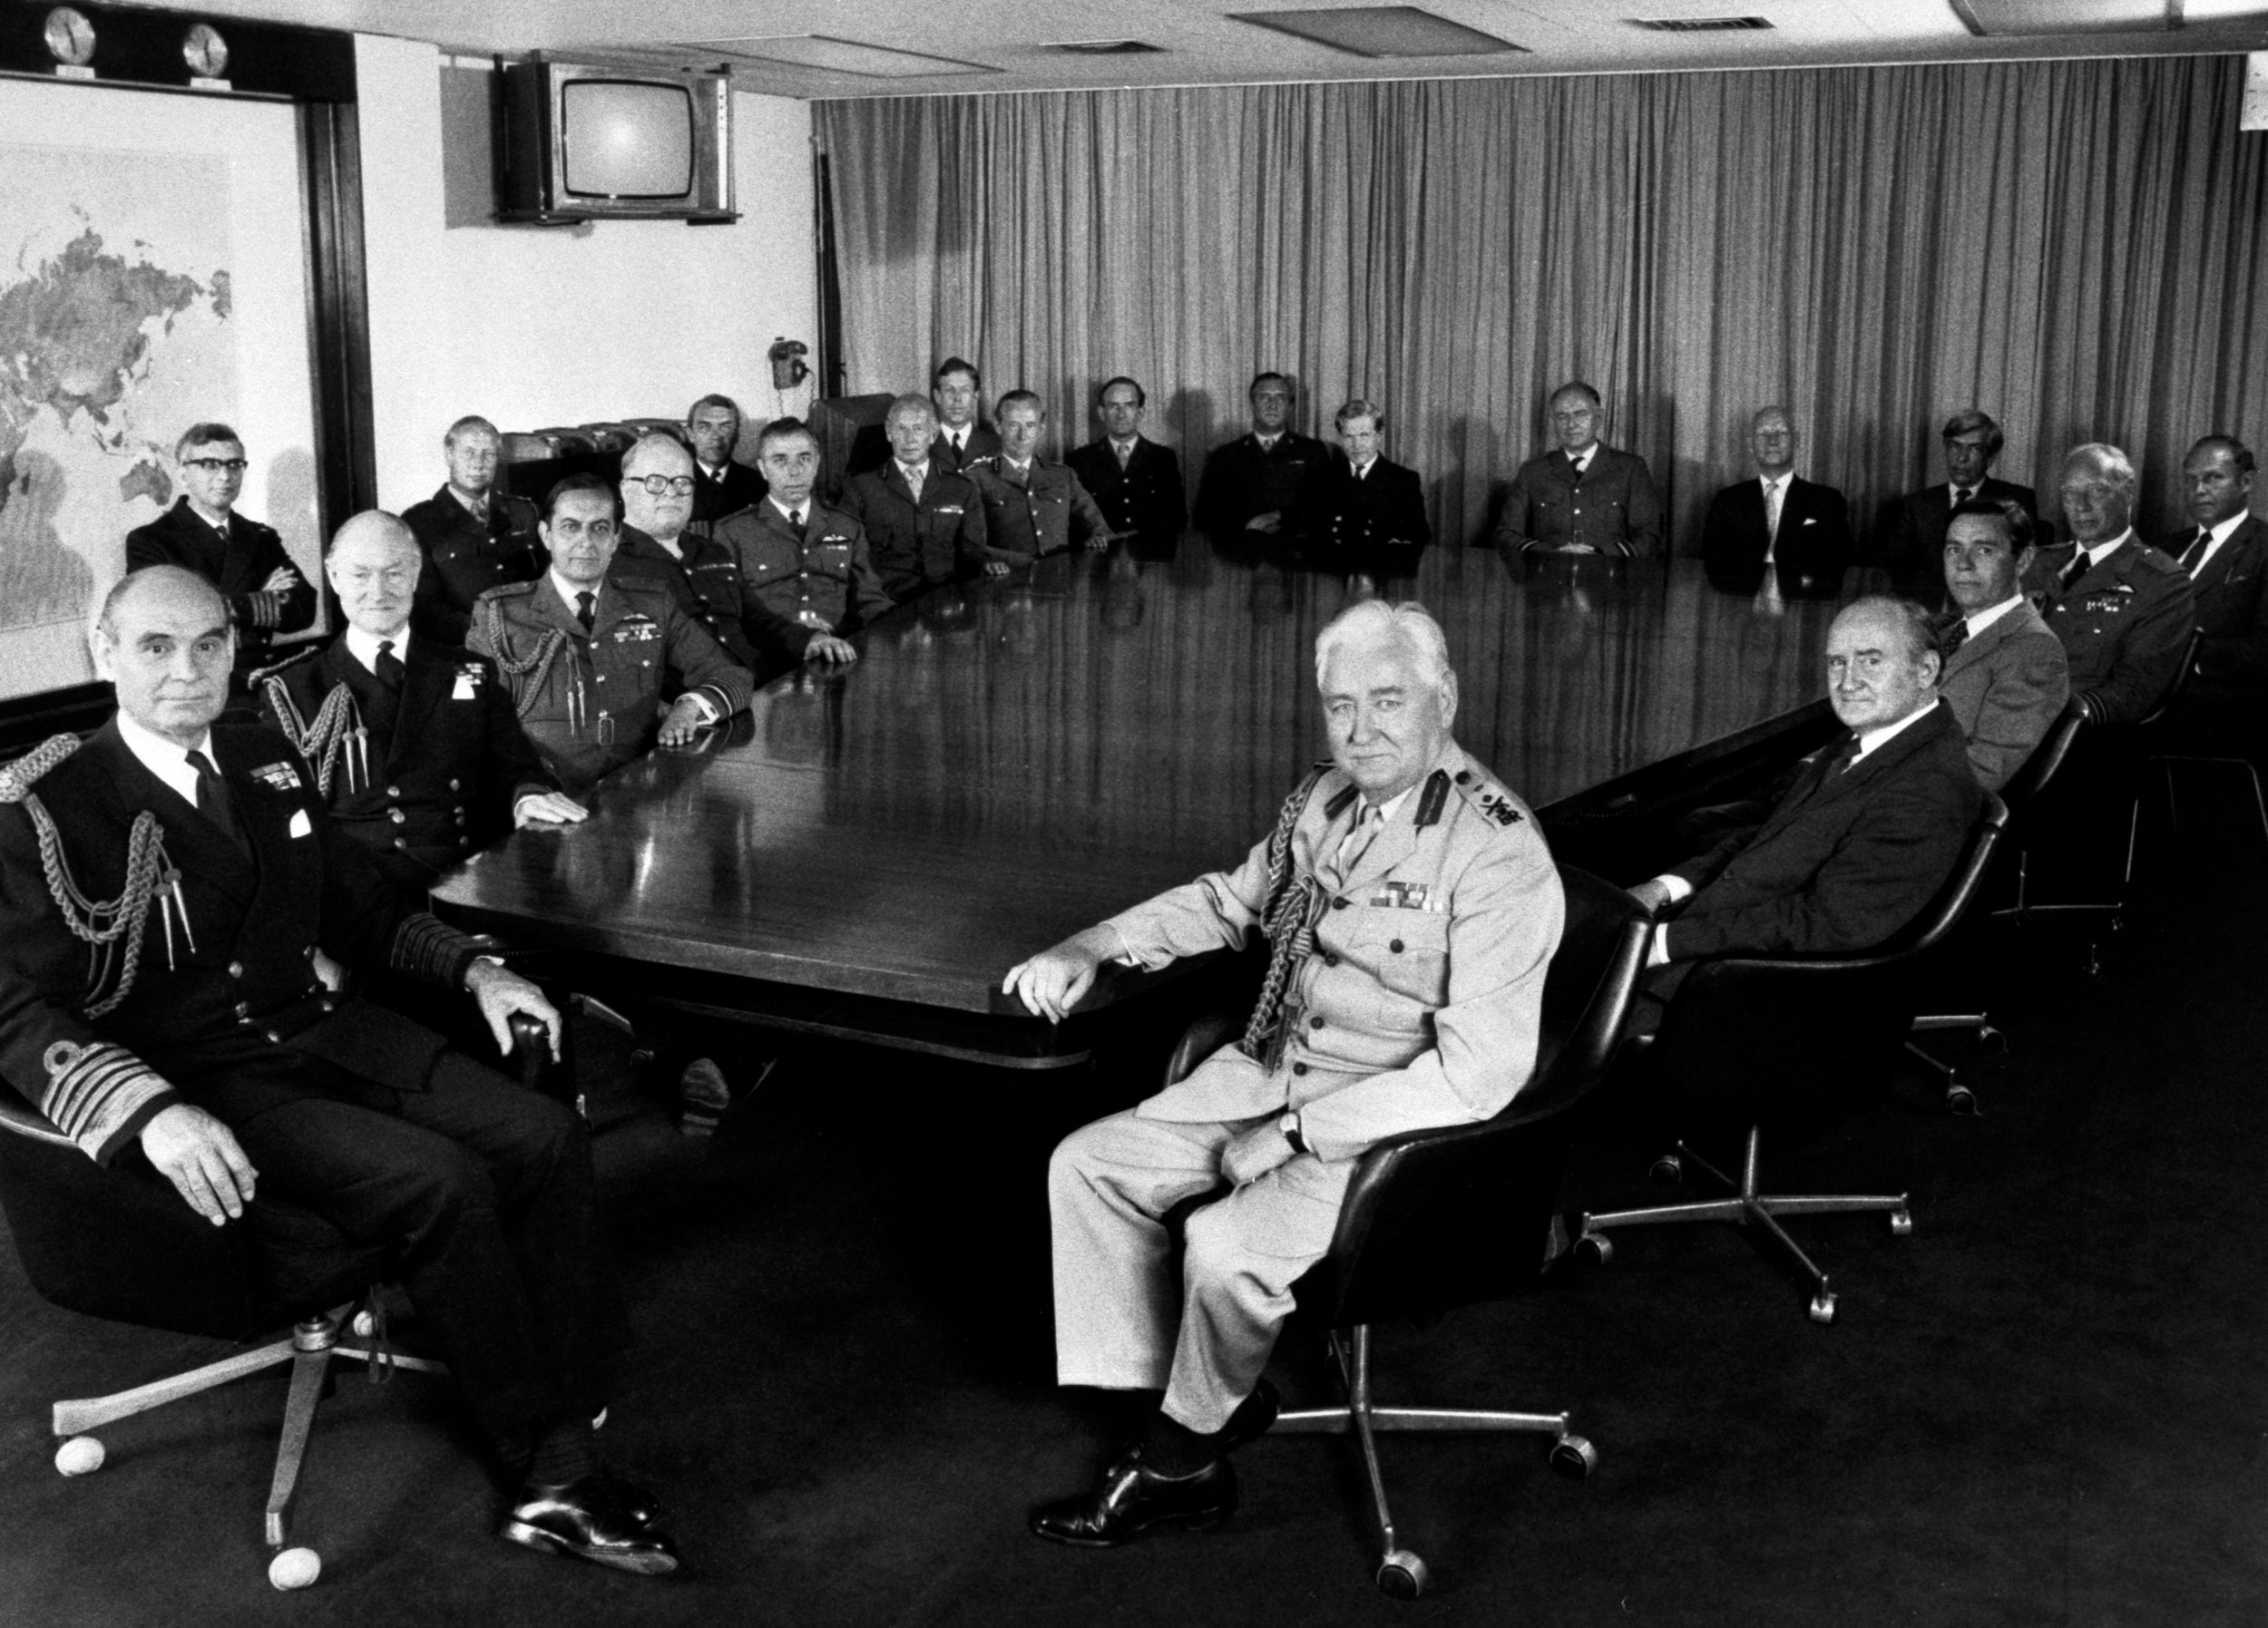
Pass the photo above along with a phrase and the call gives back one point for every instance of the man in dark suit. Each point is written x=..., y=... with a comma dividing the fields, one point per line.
x=415, y=744
x=722, y=485
x=661, y=494
x=1256, y=483
x=244, y=560
x=1136, y=481
x=2225, y=556
x=956, y=390
x=1363, y=513
x=2123, y=610
x=1863, y=840
x=1913, y=542
x=1798, y=529
x=1031, y=507
x=217, y=1054
x=1586, y=498
x=924, y=524
x=474, y=537
x=2004, y=675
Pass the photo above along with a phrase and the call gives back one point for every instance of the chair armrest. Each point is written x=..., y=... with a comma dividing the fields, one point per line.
x=531, y=1057
x=19, y=1117
x=1204, y=1036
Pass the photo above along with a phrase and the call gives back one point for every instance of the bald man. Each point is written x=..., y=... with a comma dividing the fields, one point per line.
x=701, y=573
x=415, y=743
x=1798, y=529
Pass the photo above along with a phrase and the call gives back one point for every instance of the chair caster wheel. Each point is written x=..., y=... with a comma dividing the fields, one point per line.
x=1574, y=1458
x=1901, y=1223
x=1598, y=1247
x=1991, y=1038
x=1666, y=1171
x=81, y=1456
x=1402, y=1575
x=1960, y=1099
x=1824, y=1306
x=294, y=1568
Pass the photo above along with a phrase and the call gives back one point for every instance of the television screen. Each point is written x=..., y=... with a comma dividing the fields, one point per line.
x=626, y=139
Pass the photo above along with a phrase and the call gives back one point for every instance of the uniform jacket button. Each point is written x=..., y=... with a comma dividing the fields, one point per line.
x=273, y=1038
x=401, y=842
x=1395, y=946
x=244, y=1010
x=453, y=786
x=397, y=817
x=236, y=969
x=1314, y=1023
x=393, y=791
x=1338, y=904
x=1299, y=1068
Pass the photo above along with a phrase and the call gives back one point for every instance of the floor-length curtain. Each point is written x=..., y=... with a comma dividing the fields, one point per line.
x=2080, y=248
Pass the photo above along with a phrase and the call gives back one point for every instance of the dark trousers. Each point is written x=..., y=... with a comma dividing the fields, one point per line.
x=484, y=1190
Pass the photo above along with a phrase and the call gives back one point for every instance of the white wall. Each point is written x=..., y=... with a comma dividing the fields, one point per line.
x=535, y=327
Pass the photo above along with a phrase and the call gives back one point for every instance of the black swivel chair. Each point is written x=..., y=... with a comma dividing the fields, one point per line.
x=1437, y=1219
x=1748, y=1037
x=121, y=1244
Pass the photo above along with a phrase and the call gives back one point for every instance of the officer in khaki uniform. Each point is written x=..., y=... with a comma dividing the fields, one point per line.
x=804, y=568
x=1412, y=908
x=591, y=657
x=1031, y=507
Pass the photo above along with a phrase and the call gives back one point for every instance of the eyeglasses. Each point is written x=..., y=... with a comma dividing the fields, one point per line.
x=213, y=466
x=664, y=485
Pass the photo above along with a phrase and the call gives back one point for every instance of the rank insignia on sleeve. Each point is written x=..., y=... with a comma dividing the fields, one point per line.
x=278, y=777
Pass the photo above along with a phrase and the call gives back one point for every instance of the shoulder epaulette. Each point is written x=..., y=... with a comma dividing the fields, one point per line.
x=17, y=778
x=511, y=590
x=275, y=668
x=2160, y=562
x=1432, y=799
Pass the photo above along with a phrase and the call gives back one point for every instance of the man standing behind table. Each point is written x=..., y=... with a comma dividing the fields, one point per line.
x=1412, y=909
x=924, y=524
x=1135, y=482
x=1255, y=482
x=2005, y=675
x=474, y=537
x=956, y=390
x=591, y=659
x=722, y=485
x=1586, y=498
x=244, y=1080
x=659, y=545
x=809, y=580
x=1362, y=514
x=1798, y=530
x=415, y=744
x=244, y=560
x=2224, y=552
x=1914, y=550
x=1031, y=507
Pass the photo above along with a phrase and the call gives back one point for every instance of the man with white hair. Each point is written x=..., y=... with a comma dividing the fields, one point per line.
x=1411, y=908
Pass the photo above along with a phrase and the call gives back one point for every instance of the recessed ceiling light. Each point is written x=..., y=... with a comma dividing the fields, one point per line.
x=1699, y=25
x=1381, y=31
x=1989, y=18
x=837, y=56
x=1104, y=47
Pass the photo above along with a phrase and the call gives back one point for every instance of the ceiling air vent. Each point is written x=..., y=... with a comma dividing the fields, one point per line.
x=1699, y=24
x=1104, y=47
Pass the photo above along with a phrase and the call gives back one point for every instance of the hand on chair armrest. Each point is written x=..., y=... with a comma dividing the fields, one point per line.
x=503, y=996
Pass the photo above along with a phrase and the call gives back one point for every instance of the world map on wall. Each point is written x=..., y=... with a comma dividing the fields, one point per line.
x=114, y=336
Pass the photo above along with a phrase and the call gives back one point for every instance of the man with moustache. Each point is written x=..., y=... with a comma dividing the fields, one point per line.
x=474, y=537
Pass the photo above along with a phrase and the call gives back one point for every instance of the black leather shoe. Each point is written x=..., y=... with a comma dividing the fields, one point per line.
x=595, y=1517
x=1252, y=1418
x=1131, y=1498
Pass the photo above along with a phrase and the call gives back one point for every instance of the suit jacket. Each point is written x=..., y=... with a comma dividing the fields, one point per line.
x=1376, y=524
x=1615, y=508
x=236, y=567
x=223, y=1004
x=983, y=442
x=706, y=584
x=1913, y=547
x=439, y=767
x=1421, y=1003
x=917, y=544
x=1847, y=859
x=1145, y=497
x=2006, y=685
x=714, y=497
x=1243, y=479
x=2231, y=685
x=799, y=586
x=465, y=558
x=2123, y=624
x=1813, y=544
x=1039, y=516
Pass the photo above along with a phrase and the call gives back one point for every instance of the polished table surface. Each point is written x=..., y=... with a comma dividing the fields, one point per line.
x=1013, y=760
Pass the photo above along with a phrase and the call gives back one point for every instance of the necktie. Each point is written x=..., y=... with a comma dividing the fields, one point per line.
x=1954, y=638
x=389, y=666
x=1014, y=474
x=586, y=608
x=1772, y=494
x=212, y=798
x=1575, y=466
x=1125, y=453
x=2193, y=554
x=1961, y=494
x=1847, y=754
x=914, y=482
x=2073, y=571
x=795, y=519
x=1357, y=841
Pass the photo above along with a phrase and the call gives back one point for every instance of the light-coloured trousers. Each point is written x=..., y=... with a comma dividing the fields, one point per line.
x=1121, y=1322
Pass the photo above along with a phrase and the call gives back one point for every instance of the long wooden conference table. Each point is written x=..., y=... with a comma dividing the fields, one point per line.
x=867, y=852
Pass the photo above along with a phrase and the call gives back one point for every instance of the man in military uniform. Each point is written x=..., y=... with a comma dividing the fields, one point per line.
x=1362, y=514
x=415, y=743
x=2124, y=611
x=1135, y=482
x=722, y=484
x=924, y=523
x=1256, y=482
x=592, y=659
x=1031, y=507
x=1586, y=497
x=474, y=537
x=701, y=574
x=164, y=891
x=957, y=391
x=1412, y=909
x=809, y=580
x=244, y=560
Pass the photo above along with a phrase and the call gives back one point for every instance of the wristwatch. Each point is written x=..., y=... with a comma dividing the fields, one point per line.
x=1289, y=1127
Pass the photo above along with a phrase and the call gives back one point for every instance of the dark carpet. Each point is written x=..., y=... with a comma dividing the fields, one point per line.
x=2046, y=1406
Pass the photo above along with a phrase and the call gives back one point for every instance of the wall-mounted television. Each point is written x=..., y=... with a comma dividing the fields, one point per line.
x=578, y=141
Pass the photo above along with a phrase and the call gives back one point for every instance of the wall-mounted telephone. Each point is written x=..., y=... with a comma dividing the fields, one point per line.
x=787, y=366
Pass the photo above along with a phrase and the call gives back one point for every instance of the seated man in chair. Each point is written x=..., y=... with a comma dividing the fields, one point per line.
x=1412, y=909
x=165, y=890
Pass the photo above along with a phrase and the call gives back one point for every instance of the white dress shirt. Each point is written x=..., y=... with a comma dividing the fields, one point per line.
x=364, y=646
x=162, y=758
x=2221, y=535
x=1984, y=618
